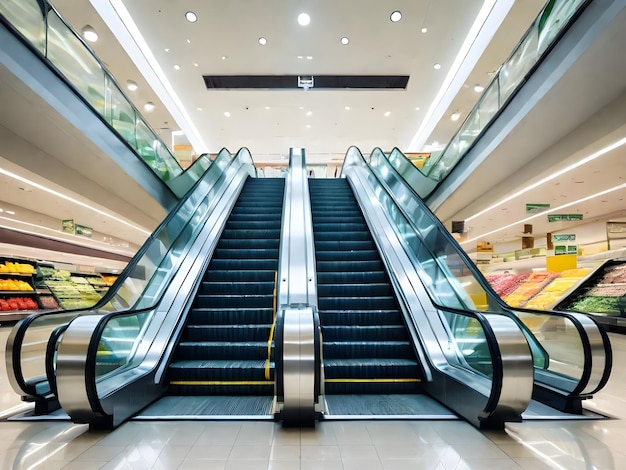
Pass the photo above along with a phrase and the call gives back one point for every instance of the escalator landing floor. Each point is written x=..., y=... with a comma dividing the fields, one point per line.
x=394, y=406
x=209, y=407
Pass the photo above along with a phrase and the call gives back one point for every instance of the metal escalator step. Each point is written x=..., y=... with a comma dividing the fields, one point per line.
x=250, y=233
x=354, y=290
x=344, y=349
x=337, y=278
x=357, y=303
x=228, y=316
x=361, y=317
x=227, y=332
x=224, y=350
x=235, y=301
x=248, y=275
x=344, y=245
x=238, y=264
x=237, y=288
x=246, y=253
x=350, y=266
x=335, y=333
x=244, y=243
x=347, y=255
x=346, y=235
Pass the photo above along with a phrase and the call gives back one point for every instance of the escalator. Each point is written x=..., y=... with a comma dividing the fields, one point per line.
x=366, y=347
x=226, y=345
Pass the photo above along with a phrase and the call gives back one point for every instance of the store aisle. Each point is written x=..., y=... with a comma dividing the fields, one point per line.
x=363, y=445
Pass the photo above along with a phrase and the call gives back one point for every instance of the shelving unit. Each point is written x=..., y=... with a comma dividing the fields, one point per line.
x=18, y=297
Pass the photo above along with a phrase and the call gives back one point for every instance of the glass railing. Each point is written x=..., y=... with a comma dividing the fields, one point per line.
x=140, y=284
x=562, y=344
x=49, y=34
x=553, y=20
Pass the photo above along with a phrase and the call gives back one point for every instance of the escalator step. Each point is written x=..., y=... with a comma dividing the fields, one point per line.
x=357, y=303
x=237, y=288
x=250, y=253
x=222, y=350
x=222, y=316
x=354, y=290
x=344, y=245
x=335, y=333
x=361, y=317
x=253, y=234
x=368, y=349
x=347, y=235
x=235, y=301
x=340, y=226
x=227, y=333
x=347, y=255
x=253, y=225
x=350, y=266
x=244, y=264
x=335, y=278
x=249, y=275
x=243, y=243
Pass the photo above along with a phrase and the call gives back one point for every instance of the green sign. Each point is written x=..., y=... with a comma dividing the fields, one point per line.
x=83, y=231
x=536, y=208
x=67, y=226
x=564, y=217
x=563, y=237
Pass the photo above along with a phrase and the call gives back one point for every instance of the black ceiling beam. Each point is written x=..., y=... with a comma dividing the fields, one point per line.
x=290, y=82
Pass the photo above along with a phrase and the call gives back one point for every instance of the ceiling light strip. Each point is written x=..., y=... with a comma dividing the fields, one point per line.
x=72, y=200
x=573, y=166
x=487, y=22
x=119, y=20
x=544, y=213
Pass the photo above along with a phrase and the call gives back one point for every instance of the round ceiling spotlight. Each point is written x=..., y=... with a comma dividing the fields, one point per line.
x=345, y=40
x=479, y=88
x=262, y=41
x=437, y=66
x=149, y=106
x=304, y=19
x=191, y=17
x=424, y=30
x=89, y=33
x=131, y=85
x=395, y=16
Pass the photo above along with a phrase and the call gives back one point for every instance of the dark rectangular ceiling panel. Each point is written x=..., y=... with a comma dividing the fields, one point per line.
x=290, y=82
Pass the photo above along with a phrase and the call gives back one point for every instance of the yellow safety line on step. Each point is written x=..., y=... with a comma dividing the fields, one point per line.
x=221, y=382
x=390, y=380
x=271, y=338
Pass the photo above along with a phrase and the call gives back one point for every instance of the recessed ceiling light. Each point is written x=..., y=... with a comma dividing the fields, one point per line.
x=224, y=57
x=199, y=109
x=417, y=109
x=167, y=49
x=309, y=113
x=195, y=64
x=268, y=107
x=188, y=41
x=345, y=41
x=300, y=57
x=437, y=66
x=309, y=57
x=10, y=212
x=191, y=17
x=1, y=210
x=455, y=116
x=395, y=16
x=424, y=30
x=479, y=88
x=89, y=33
x=304, y=19
x=262, y=41
x=300, y=107
x=226, y=113
x=347, y=108
x=149, y=106
x=387, y=113
x=308, y=126
x=176, y=67
x=131, y=85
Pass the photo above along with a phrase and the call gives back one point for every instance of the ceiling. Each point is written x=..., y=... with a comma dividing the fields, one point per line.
x=224, y=41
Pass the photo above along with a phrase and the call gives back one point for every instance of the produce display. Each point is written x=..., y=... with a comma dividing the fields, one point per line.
x=15, y=267
x=71, y=291
x=506, y=283
x=15, y=284
x=557, y=289
x=17, y=303
x=605, y=293
x=531, y=286
x=109, y=279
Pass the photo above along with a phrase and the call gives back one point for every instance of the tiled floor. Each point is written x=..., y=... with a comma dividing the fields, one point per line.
x=362, y=445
